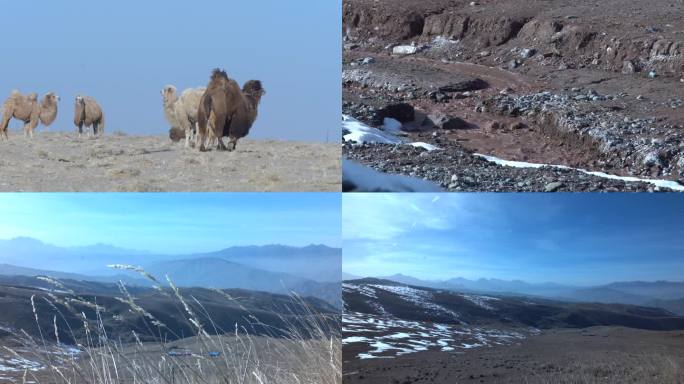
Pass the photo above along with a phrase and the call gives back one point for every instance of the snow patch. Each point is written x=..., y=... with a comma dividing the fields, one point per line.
x=367, y=179
x=522, y=164
x=362, y=133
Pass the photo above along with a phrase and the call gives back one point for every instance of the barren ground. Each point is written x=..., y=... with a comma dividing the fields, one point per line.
x=56, y=162
x=592, y=355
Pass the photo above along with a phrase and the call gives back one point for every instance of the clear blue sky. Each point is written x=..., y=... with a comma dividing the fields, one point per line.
x=566, y=238
x=124, y=52
x=173, y=223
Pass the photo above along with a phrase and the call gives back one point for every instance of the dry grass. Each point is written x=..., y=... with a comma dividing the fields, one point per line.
x=308, y=354
x=61, y=162
x=615, y=369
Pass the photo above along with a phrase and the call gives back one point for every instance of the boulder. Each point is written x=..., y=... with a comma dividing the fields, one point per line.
x=401, y=112
x=448, y=123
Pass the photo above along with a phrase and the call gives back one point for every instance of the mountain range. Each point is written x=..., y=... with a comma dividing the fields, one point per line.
x=313, y=270
x=660, y=294
x=380, y=297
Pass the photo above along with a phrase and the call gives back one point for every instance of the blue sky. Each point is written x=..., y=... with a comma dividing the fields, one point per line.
x=124, y=52
x=566, y=238
x=173, y=223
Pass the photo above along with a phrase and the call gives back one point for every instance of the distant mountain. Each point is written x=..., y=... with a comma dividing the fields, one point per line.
x=93, y=260
x=313, y=270
x=219, y=273
x=414, y=303
x=486, y=285
x=314, y=262
x=674, y=306
x=604, y=294
x=349, y=276
x=665, y=290
x=12, y=270
x=661, y=294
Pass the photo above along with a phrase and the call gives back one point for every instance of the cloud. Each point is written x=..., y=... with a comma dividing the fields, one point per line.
x=387, y=216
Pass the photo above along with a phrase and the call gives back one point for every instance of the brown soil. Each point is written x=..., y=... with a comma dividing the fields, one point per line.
x=577, y=47
x=592, y=355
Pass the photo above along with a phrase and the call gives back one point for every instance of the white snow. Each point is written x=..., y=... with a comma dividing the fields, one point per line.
x=367, y=179
x=521, y=164
x=415, y=296
x=388, y=337
x=423, y=145
x=480, y=301
x=362, y=133
x=404, y=50
x=354, y=339
x=391, y=125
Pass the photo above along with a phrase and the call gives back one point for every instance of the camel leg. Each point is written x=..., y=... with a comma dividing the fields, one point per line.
x=233, y=141
x=5, y=124
x=95, y=129
x=218, y=127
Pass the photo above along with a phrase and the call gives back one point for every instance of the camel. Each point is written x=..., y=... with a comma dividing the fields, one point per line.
x=29, y=110
x=176, y=134
x=181, y=112
x=230, y=110
x=87, y=112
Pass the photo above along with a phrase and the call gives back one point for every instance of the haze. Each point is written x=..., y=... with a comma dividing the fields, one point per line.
x=173, y=223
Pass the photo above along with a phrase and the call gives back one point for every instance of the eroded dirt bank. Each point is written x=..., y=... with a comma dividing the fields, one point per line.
x=592, y=86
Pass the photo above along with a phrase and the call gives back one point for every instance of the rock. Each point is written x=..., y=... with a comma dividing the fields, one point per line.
x=513, y=64
x=652, y=74
x=466, y=85
x=367, y=61
x=639, y=97
x=401, y=112
x=517, y=125
x=404, y=50
x=493, y=126
x=448, y=122
x=553, y=187
x=527, y=53
x=628, y=67
x=651, y=159
x=438, y=96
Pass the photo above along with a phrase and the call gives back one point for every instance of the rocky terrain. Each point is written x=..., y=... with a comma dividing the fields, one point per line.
x=597, y=87
x=398, y=333
x=60, y=162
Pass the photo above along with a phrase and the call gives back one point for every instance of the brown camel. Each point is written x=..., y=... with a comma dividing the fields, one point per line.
x=231, y=110
x=27, y=109
x=87, y=112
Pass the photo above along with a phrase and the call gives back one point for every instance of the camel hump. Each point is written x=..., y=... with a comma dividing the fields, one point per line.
x=218, y=73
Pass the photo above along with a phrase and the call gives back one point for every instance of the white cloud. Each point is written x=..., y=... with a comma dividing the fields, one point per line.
x=384, y=216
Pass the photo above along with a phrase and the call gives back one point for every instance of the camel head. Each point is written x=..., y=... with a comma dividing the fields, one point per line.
x=51, y=98
x=253, y=88
x=80, y=100
x=169, y=94
x=32, y=96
